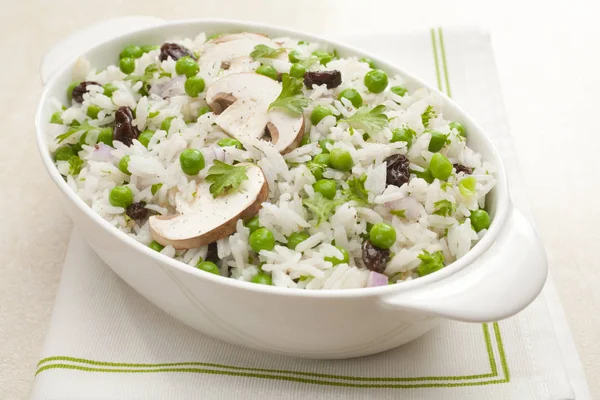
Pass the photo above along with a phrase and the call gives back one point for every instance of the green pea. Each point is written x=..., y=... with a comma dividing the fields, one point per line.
x=131, y=51
x=437, y=142
x=335, y=261
x=208, y=266
x=127, y=65
x=467, y=186
x=228, y=142
x=261, y=239
x=368, y=61
x=64, y=153
x=70, y=88
x=109, y=89
x=106, y=136
x=203, y=110
x=262, y=278
x=399, y=90
x=155, y=188
x=480, y=219
x=302, y=42
x=145, y=137
x=352, y=95
x=323, y=145
x=92, y=111
x=376, y=80
x=74, y=123
x=382, y=235
x=318, y=113
x=120, y=196
x=154, y=245
x=323, y=159
x=440, y=167
x=148, y=48
x=341, y=160
x=124, y=165
x=186, y=66
x=267, y=70
x=166, y=124
x=297, y=70
x=459, y=128
x=296, y=238
x=323, y=56
x=253, y=224
x=56, y=118
x=305, y=140
x=404, y=134
x=316, y=169
x=194, y=86
x=326, y=187
x=294, y=56
x=192, y=161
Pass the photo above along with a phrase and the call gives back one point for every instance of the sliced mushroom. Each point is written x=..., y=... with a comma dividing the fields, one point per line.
x=248, y=115
x=233, y=49
x=207, y=222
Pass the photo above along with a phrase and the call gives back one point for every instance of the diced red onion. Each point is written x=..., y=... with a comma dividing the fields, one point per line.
x=376, y=279
x=101, y=152
x=173, y=87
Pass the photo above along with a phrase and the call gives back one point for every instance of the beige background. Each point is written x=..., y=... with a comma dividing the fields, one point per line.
x=548, y=63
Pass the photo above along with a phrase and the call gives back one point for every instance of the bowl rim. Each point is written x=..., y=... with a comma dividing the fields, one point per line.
x=502, y=198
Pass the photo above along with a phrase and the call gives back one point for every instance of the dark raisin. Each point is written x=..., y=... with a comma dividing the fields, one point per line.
x=332, y=79
x=137, y=211
x=124, y=131
x=397, y=170
x=374, y=258
x=212, y=254
x=80, y=89
x=462, y=168
x=174, y=51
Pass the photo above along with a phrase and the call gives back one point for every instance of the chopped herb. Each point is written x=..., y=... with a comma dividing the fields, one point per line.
x=428, y=115
x=321, y=206
x=398, y=213
x=356, y=190
x=225, y=178
x=370, y=121
x=291, y=97
x=445, y=208
x=153, y=114
x=445, y=185
x=304, y=278
x=430, y=262
x=75, y=165
x=85, y=128
x=264, y=51
x=148, y=74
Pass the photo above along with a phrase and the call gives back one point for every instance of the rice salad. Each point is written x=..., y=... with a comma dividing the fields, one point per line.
x=273, y=161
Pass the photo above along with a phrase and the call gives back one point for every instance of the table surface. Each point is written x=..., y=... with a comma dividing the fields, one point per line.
x=548, y=78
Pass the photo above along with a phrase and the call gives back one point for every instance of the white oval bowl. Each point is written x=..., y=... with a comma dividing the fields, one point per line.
x=500, y=276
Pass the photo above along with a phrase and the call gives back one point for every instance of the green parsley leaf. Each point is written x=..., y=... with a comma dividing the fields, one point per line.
x=427, y=115
x=225, y=178
x=153, y=114
x=321, y=206
x=430, y=262
x=264, y=51
x=291, y=97
x=445, y=208
x=356, y=190
x=398, y=213
x=85, y=128
x=445, y=185
x=370, y=121
x=75, y=165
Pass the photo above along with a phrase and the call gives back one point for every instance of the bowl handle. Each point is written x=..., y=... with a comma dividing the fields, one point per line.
x=80, y=41
x=500, y=283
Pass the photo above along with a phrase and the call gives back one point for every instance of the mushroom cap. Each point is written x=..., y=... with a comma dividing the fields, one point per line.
x=208, y=221
x=249, y=95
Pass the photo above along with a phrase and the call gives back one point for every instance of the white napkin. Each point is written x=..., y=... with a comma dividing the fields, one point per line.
x=107, y=342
